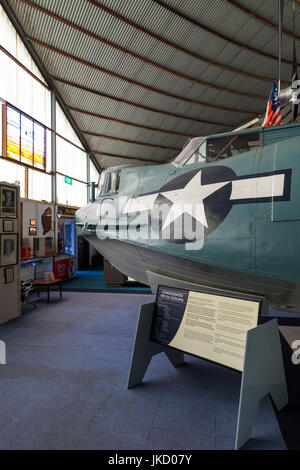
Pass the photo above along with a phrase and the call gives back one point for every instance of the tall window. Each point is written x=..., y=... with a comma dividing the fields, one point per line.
x=25, y=138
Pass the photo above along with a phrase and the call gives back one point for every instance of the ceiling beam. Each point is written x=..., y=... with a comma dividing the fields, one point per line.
x=127, y=123
x=141, y=58
x=140, y=106
x=16, y=61
x=135, y=142
x=134, y=82
x=218, y=33
x=20, y=31
x=260, y=18
x=179, y=48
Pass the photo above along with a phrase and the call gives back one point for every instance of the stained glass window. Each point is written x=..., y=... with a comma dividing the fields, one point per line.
x=13, y=133
x=39, y=155
x=26, y=139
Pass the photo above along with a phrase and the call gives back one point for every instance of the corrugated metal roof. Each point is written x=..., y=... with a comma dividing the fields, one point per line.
x=131, y=84
x=127, y=149
x=108, y=161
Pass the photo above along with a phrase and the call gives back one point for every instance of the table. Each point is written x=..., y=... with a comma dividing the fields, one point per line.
x=45, y=283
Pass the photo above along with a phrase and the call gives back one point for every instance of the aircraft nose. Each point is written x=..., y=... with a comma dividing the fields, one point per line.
x=86, y=219
x=81, y=217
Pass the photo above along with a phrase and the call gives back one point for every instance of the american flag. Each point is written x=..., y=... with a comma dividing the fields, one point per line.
x=273, y=116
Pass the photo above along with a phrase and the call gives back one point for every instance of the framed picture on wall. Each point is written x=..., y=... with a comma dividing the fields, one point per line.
x=9, y=275
x=32, y=231
x=8, y=202
x=8, y=250
x=8, y=226
x=32, y=222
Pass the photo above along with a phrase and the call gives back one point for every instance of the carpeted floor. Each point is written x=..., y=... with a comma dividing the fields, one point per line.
x=93, y=281
x=64, y=385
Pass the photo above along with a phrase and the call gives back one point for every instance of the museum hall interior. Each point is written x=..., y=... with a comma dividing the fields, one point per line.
x=150, y=227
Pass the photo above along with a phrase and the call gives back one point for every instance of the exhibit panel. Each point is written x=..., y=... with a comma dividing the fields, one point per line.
x=211, y=326
x=38, y=229
x=9, y=252
x=174, y=324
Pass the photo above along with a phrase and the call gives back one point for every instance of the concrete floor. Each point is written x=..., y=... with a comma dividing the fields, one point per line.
x=64, y=385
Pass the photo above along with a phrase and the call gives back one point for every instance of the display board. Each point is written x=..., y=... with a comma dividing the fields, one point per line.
x=209, y=326
x=9, y=252
x=262, y=367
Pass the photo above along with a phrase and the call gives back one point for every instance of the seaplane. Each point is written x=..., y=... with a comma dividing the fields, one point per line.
x=224, y=213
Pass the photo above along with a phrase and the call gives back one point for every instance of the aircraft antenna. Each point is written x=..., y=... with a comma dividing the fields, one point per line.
x=294, y=73
x=280, y=14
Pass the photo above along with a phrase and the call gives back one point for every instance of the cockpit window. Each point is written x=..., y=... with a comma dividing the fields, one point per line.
x=101, y=183
x=109, y=182
x=219, y=148
x=114, y=182
x=199, y=155
x=188, y=150
x=117, y=185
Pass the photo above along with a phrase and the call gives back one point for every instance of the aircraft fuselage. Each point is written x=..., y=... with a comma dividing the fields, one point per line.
x=225, y=213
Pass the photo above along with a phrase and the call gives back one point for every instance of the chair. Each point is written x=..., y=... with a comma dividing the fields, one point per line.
x=26, y=289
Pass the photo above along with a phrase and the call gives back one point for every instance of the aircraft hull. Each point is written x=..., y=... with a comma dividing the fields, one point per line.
x=245, y=209
x=136, y=261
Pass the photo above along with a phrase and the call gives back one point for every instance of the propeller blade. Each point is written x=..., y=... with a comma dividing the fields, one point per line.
x=285, y=95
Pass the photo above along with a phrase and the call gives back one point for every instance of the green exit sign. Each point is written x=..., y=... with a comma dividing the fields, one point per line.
x=68, y=180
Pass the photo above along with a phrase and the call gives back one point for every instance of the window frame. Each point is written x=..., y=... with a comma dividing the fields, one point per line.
x=185, y=147
x=237, y=135
x=186, y=163
x=108, y=178
x=5, y=107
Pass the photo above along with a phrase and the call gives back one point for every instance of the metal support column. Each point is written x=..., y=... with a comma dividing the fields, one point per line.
x=88, y=177
x=53, y=147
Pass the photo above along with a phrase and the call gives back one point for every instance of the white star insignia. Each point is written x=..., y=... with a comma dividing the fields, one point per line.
x=190, y=200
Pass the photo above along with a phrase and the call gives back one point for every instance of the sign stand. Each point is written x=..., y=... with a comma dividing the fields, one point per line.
x=263, y=373
x=144, y=349
x=263, y=370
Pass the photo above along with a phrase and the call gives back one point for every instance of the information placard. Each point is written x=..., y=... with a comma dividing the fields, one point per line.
x=210, y=326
